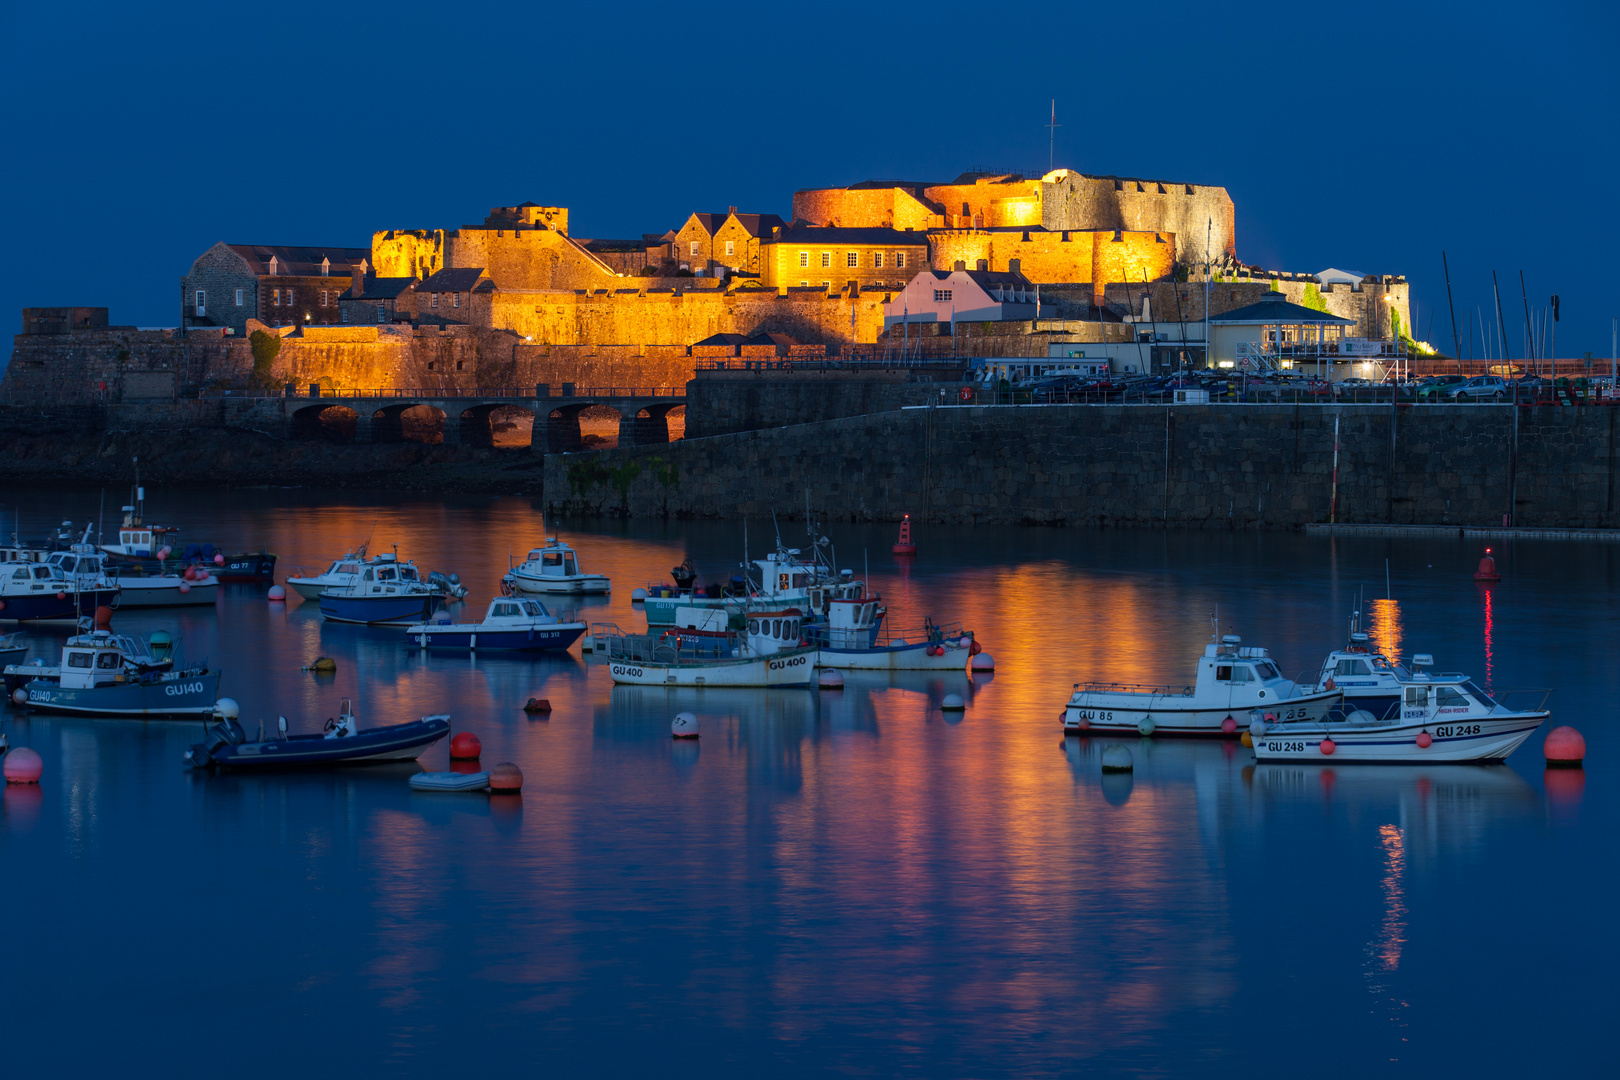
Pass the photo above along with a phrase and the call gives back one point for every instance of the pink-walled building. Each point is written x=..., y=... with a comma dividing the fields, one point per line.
x=962, y=296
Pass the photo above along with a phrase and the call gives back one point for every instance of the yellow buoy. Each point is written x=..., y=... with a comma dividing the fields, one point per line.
x=1248, y=740
x=321, y=663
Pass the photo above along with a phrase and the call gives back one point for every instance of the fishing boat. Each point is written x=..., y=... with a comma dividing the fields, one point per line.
x=769, y=650
x=343, y=742
x=554, y=568
x=388, y=593
x=111, y=675
x=347, y=568
x=1439, y=717
x=784, y=578
x=511, y=623
x=150, y=546
x=84, y=568
x=855, y=637
x=1231, y=679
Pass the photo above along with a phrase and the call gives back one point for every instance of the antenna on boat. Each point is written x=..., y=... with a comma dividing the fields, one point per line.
x=101, y=517
x=1215, y=624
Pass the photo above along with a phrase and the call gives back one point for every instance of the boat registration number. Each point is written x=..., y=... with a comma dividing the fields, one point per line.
x=1284, y=747
x=1448, y=731
x=797, y=661
x=1098, y=717
x=182, y=689
x=622, y=669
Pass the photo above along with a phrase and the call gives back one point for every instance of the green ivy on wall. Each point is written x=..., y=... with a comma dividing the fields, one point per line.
x=1313, y=298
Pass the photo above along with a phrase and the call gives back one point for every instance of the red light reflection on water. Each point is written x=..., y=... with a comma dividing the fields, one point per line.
x=1490, y=633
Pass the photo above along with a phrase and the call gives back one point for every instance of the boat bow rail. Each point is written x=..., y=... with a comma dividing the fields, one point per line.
x=1132, y=688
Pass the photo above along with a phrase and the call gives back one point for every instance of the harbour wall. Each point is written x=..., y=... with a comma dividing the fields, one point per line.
x=722, y=402
x=1224, y=466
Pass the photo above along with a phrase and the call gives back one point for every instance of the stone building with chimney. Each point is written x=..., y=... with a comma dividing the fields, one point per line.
x=281, y=286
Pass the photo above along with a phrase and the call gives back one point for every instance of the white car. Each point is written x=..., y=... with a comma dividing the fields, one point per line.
x=1480, y=388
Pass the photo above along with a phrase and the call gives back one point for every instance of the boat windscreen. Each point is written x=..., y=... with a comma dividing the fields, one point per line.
x=1484, y=698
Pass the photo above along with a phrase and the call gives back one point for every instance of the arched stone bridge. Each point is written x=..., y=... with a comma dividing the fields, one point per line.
x=466, y=415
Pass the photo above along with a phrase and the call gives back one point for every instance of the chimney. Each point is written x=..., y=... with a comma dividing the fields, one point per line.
x=984, y=264
x=1015, y=266
x=357, y=279
x=960, y=265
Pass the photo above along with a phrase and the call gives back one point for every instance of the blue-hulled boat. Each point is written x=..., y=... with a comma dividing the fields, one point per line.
x=388, y=593
x=343, y=742
x=513, y=623
x=110, y=675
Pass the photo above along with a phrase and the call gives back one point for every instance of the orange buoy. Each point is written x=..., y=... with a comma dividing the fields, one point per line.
x=104, y=617
x=1564, y=746
x=505, y=779
x=1328, y=746
x=23, y=766
x=1487, y=569
x=904, y=546
x=1424, y=739
x=465, y=746
x=1247, y=739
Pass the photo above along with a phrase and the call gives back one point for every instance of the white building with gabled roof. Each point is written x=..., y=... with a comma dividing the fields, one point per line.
x=948, y=296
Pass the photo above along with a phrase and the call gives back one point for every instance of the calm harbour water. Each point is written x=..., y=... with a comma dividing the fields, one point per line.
x=839, y=883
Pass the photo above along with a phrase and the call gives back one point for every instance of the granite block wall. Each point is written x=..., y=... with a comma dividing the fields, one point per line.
x=1265, y=466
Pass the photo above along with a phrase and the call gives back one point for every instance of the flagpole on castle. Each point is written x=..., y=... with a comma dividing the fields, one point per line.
x=1051, y=142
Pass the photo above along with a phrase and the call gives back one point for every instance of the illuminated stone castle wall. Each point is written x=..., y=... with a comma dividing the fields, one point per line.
x=526, y=258
x=866, y=208
x=668, y=318
x=1075, y=257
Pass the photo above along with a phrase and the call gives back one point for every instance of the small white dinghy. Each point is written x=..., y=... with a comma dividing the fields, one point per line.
x=450, y=781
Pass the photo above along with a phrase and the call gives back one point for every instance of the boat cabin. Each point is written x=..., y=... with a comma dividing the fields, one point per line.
x=1244, y=672
x=853, y=619
x=32, y=577
x=513, y=609
x=90, y=660
x=554, y=560
x=773, y=631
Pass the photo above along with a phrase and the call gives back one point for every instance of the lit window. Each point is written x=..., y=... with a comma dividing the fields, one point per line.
x=804, y=284
x=852, y=259
x=455, y=299
x=435, y=301
x=323, y=298
x=730, y=248
x=942, y=296
x=202, y=302
x=900, y=259
x=694, y=247
x=826, y=258
x=238, y=297
x=275, y=297
x=804, y=258
x=877, y=260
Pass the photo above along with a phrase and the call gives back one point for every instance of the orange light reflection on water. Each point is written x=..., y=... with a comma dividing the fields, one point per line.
x=1384, y=628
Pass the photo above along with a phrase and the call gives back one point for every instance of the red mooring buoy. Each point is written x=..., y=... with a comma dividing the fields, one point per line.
x=465, y=746
x=1487, y=569
x=1564, y=746
x=904, y=546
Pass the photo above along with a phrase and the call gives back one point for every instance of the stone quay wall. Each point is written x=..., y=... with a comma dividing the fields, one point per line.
x=721, y=402
x=1225, y=466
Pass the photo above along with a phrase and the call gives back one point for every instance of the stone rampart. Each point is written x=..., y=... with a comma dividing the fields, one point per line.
x=1246, y=466
x=718, y=403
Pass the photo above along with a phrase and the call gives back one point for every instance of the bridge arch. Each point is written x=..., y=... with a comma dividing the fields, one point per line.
x=408, y=421
x=328, y=422
x=498, y=423
x=650, y=424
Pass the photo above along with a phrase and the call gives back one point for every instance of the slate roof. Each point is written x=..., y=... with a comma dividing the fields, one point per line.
x=453, y=279
x=828, y=234
x=1277, y=311
x=984, y=278
x=710, y=222
x=299, y=261
x=376, y=288
x=756, y=225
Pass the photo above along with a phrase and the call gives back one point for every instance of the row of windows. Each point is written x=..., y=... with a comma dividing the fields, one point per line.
x=455, y=299
x=853, y=258
x=805, y=284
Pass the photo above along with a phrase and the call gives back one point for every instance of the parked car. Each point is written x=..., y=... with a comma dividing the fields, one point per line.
x=1480, y=388
x=1434, y=388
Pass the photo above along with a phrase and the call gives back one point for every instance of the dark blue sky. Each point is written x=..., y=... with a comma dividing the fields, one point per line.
x=1362, y=136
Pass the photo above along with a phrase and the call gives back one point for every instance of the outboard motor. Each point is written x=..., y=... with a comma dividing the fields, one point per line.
x=225, y=733
x=684, y=575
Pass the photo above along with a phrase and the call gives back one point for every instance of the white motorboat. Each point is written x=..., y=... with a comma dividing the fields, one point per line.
x=769, y=651
x=511, y=623
x=1414, y=716
x=346, y=571
x=554, y=568
x=854, y=637
x=1231, y=679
